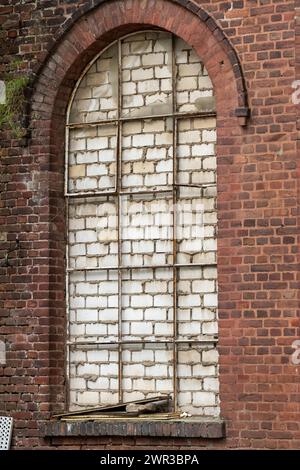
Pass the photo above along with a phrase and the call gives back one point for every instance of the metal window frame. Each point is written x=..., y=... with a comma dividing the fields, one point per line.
x=117, y=193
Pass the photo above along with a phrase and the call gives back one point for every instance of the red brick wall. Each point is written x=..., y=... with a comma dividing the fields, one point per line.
x=257, y=202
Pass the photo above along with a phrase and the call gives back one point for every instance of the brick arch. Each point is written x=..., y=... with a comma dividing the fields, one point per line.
x=96, y=23
x=55, y=82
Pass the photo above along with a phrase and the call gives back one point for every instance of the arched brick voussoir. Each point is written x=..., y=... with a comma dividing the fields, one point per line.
x=112, y=19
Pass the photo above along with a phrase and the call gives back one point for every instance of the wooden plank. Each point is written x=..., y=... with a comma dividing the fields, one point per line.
x=118, y=406
x=152, y=407
x=148, y=417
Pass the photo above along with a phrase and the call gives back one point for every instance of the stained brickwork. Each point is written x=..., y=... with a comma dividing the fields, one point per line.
x=250, y=50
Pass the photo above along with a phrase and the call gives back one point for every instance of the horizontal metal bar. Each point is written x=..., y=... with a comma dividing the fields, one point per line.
x=116, y=343
x=134, y=193
x=152, y=266
x=198, y=186
x=90, y=194
x=104, y=122
x=120, y=193
x=80, y=125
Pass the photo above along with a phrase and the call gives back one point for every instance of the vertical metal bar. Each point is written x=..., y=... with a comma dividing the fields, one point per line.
x=119, y=222
x=174, y=260
x=67, y=206
x=66, y=182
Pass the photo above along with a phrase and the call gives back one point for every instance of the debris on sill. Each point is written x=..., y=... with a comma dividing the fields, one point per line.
x=185, y=415
x=155, y=408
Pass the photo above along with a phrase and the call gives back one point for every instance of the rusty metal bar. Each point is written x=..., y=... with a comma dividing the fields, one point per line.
x=174, y=244
x=157, y=266
x=203, y=114
x=117, y=193
x=119, y=214
x=136, y=193
x=67, y=320
x=167, y=341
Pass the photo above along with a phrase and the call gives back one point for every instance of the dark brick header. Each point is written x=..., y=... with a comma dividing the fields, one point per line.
x=201, y=428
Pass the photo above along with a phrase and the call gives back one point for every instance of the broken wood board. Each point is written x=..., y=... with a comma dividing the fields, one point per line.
x=107, y=408
x=152, y=407
x=157, y=416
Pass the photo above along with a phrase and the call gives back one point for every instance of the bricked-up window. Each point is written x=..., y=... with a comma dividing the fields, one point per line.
x=141, y=198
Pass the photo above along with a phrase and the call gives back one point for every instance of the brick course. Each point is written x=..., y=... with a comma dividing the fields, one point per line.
x=245, y=45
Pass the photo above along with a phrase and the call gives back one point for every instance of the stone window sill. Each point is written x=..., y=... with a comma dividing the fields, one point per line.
x=205, y=428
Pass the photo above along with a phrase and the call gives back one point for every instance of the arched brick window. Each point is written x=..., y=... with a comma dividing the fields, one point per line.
x=141, y=198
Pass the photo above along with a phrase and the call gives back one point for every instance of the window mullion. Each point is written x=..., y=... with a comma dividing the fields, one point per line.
x=119, y=214
x=174, y=258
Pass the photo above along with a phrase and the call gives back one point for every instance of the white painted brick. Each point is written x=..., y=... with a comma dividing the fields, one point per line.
x=153, y=59
x=132, y=180
x=204, y=399
x=85, y=184
x=84, y=288
x=189, y=70
x=156, y=153
x=158, y=99
x=163, y=329
x=88, y=370
x=209, y=163
x=88, y=398
x=87, y=315
x=87, y=157
x=158, y=370
x=190, y=384
x=141, y=328
x=211, y=384
x=86, y=236
x=133, y=101
x=209, y=135
x=185, y=398
x=77, y=144
x=77, y=384
x=133, y=370
x=163, y=72
x=155, y=180
x=189, y=300
x=96, y=329
x=162, y=301
x=97, y=143
x=164, y=385
x=203, y=286
x=142, y=140
x=203, y=150
x=77, y=250
x=210, y=357
x=165, y=138
x=164, y=166
x=187, y=83
x=210, y=328
x=210, y=244
x=155, y=314
x=129, y=88
x=155, y=126
x=142, y=74
x=210, y=300
x=141, y=301
x=205, y=83
x=102, y=383
x=148, y=86
x=155, y=286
